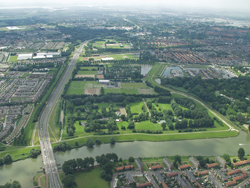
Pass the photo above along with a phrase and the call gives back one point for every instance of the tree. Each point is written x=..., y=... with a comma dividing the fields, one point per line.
x=241, y=153
x=131, y=159
x=91, y=161
x=34, y=153
x=90, y=143
x=69, y=181
x=15, y=184
x=227, y=159
x=1, y=162
x=112, y=140
x=66, y=168
x=102, y=91
x=98, y=141
x=7, y=159
x=76, y=144
x=177, y=158
x=164, y=125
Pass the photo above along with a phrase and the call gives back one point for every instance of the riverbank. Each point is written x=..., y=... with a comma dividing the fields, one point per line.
x=144, y=149
x=21, y=153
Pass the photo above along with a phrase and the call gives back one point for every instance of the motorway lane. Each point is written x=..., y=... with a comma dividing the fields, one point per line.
x=45, y=144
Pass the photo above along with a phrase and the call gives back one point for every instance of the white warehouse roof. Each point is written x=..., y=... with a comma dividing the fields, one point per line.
x=107, y=59
x=50, y=53
x=104, y=81
x=24, y=56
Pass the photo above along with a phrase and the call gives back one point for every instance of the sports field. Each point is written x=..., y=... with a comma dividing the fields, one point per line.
x=79, y=87
x=134, y=85
x=86, y=72
x=117, y=90
x=13, y=58
x=76, y=87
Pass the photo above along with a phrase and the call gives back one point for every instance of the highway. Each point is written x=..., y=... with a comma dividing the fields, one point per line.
x=44, y=138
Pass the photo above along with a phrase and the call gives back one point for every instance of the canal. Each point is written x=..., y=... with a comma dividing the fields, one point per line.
x=25, y=170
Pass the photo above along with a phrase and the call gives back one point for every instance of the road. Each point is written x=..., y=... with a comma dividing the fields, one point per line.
x=44, y=138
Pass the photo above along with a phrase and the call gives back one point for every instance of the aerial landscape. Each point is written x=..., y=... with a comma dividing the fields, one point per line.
x=114, y=94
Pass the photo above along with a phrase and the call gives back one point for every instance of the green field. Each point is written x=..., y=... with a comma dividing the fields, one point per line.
x=147, y=125
x=86, y=72
x=76, y=87
x=13, y=58
x=116, y=90
x=79, y=128
x=134, y=85
x=136, y=107
x=89, y=68
x=91, y=179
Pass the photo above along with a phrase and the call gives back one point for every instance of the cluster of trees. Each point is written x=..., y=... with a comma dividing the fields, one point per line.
x=240, y=68
x=123, y=72
x=34, y=153
x=241, y=153
x=105, y=161
x=147, y=131
x=79, y=163
x=107, y=164
x=70, y=166
x=70, y=49
x=161, y=90
x=203, y=161
x=70, y=125
x=79, y=33
x=146, y=56
x=236, y=88
x=227, y=159
x=7, y=159
x=91, y=143
x=62, y=147
x=177, y=160
x=14, y=184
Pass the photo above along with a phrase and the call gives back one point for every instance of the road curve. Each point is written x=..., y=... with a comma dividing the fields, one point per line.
x=44, y=138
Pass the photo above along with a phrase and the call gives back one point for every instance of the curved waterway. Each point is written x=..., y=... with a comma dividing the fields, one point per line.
x=23, y=171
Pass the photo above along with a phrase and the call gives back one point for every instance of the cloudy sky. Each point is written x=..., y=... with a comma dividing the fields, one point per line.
x=210, y=4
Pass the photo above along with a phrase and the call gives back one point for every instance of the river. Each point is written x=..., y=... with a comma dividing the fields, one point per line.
x=23, y=171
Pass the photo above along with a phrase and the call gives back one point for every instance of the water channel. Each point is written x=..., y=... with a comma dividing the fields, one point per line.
x=25, y=170
x=167, y=72
x=145, y=69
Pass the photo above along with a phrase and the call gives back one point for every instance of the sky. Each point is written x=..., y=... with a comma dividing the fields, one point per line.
x=209, y=4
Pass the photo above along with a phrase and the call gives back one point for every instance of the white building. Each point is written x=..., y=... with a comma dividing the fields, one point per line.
x=107, y=59
x=104, y=82
x=24, y=56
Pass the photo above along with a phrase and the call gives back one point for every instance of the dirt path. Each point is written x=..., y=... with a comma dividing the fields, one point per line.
x=61, y=120
x=39, y=181
x=147, y=108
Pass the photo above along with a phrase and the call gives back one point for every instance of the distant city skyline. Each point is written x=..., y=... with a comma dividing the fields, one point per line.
x=209, y=4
